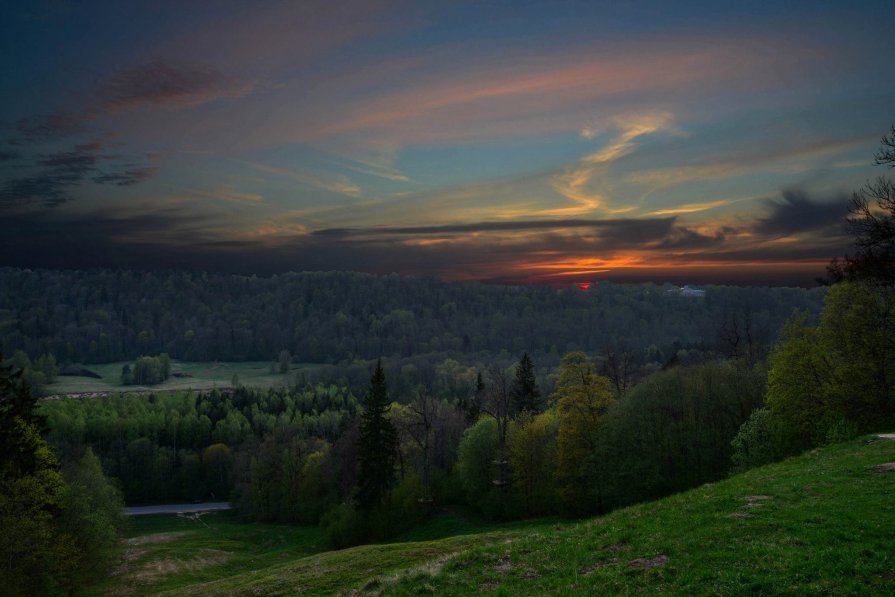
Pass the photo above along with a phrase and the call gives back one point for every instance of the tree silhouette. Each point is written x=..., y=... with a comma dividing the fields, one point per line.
x=377, y=445
x=871, y=221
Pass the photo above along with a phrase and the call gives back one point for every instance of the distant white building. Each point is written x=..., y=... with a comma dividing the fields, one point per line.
x=687, y=291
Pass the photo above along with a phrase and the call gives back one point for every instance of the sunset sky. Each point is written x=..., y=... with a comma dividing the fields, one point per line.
x=516, y=142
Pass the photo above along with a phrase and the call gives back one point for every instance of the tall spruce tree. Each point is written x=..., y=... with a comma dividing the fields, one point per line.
x=525, y=392
x=377, y=445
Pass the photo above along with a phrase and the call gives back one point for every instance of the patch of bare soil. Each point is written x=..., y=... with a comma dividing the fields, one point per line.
x=588, y=570
x=886, y=467
x=740, y=515
x=504, y=564
x=531, y=574
x=648, y=563
x=488, y=585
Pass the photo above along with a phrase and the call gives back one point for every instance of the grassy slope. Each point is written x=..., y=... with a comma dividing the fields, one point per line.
x=827, y=525
x=165, y=551
x=201, y=376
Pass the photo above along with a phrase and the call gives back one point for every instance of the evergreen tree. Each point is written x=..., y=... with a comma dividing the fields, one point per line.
x=377, y=445
x=525, y=392
x=471, y=406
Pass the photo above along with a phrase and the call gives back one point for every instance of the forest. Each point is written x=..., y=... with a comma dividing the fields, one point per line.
x=52, y=320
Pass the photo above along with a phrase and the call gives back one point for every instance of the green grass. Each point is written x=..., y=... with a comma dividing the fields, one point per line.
x=196, y=376
x=825, y=525
x=165, y=551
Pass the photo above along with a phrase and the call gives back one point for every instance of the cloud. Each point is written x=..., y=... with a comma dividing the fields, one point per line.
x=689, y=208
x=797, y=212
x=51, y=126
x=183, y=234
x=380, y=168
x=575, y=182
x=682, y=238
x=637, y=228
x=228, y=194
x=162, y=82
x=335, y=184
x=57, y=173
x=127, y=177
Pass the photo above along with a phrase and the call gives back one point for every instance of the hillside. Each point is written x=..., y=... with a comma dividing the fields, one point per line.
x=820, y=523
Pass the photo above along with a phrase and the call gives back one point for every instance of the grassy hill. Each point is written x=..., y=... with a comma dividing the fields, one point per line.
x=820, y=523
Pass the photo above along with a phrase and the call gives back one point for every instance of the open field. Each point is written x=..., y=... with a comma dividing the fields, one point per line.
x=820, y=523
x=185, y=376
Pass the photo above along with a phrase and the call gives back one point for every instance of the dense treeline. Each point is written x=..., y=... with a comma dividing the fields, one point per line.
x=369, y=469
x=105, y=316
x=181, y=447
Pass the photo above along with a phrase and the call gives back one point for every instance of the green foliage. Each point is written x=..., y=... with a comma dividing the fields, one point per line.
x=56, y=536
x=147, y=371
x=581, y=398
x=531, y=446
x=475, y=464
x=154, y=444
x=92, y=515
x=756, y=443
x=377, y=446
x=344, y=526
x=37, y=374
x=36, y=556
x=674, y=430
x=838, y=372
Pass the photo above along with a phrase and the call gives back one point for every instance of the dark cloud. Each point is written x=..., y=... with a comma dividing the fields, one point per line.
x=162, y=82
x=157, y=82
x=797, y=212
x=646, y=228
x=682, y=238
x=147, y=241
x=50, y=126
x=126, y=178
x=9, y=156
x=80, y=160
x=58, y=172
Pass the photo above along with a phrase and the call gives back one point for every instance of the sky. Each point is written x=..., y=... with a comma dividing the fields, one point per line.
x=498, y=141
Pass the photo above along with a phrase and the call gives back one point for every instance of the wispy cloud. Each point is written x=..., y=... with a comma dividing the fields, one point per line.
x=335, y=184
x=690, y=208
x=230, y=195
x=381, y=168
x=162, y=82
x=575, y=183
